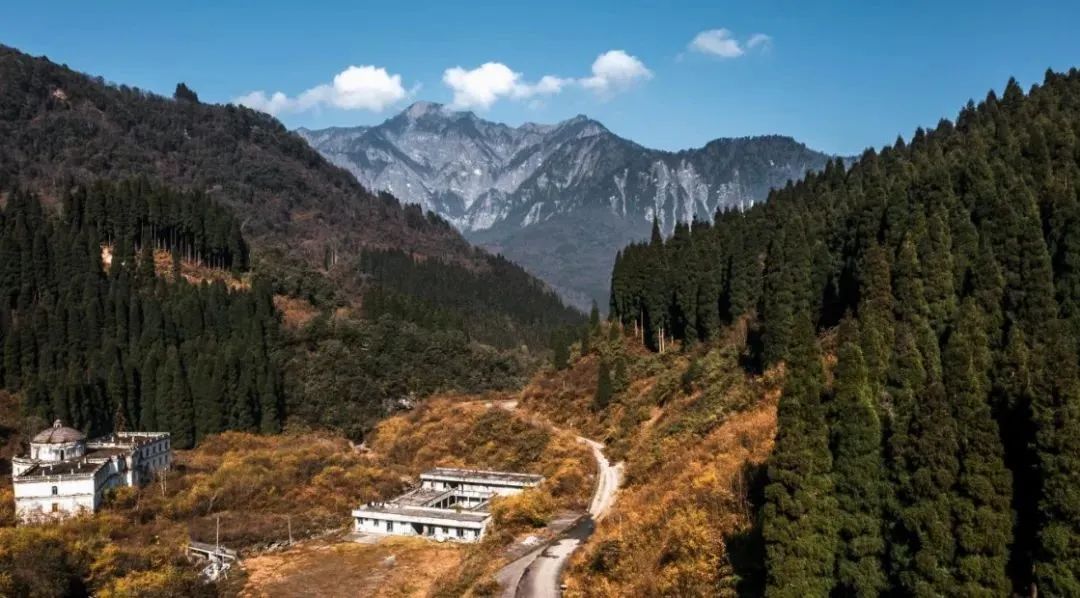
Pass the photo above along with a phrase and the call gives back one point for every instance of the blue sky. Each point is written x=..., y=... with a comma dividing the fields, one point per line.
x=838, y=76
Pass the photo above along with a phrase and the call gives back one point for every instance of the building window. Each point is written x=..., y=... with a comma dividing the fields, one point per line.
x=389, y=526
x=460, y=532
x=55, y=491
x=56, y=507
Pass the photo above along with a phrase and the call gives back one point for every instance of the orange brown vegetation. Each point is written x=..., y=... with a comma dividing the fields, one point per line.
x=450, y=432
x=192, y=271
x=396, y=567
x=257, y=485
x=694, y=429
x=295, y=312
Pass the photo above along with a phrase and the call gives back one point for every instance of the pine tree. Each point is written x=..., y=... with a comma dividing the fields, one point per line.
x=876, y=314
x=1056, y=415
x=859, y=474
x=604, y=387
x=926, y=561
x=800, y=514
x=984, y=487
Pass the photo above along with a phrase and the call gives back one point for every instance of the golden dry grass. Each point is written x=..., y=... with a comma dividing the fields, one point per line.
x=695, y=430
x=295, y=313
x=396, y=567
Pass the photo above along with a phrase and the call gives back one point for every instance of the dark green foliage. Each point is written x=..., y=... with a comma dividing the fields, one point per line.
x=924, y=551
x=984, y=489
x=860, y=478
x=800, y=514
x=185, y=94
x=957, y=253
x=348, y=374
x=500, y=305
x=604, y=387
x=97, y=348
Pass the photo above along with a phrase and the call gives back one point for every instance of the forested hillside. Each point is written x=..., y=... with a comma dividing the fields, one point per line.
x=234, y=190
x=112, y=346
x=61, y=127
x=502, y=306
x=931, y=446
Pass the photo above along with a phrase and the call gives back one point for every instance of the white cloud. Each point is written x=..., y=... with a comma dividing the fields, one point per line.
x=759, y=39
x=615, y=70
x=481, y=87
x=355, y=88
x=723, y=44
x=716, y=42
x=484, y=85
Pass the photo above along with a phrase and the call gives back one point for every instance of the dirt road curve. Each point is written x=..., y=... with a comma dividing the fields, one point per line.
x=536, y=575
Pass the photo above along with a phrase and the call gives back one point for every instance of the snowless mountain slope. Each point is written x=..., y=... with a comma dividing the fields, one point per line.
x=559, y=199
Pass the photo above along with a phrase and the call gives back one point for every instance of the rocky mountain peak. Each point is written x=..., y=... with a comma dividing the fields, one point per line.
x=559, y=199
x=423, y=108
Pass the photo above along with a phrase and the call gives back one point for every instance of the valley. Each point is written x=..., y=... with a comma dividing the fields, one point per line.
x=250, y=348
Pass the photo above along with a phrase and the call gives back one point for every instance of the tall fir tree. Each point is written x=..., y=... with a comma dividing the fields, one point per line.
x=799, y=520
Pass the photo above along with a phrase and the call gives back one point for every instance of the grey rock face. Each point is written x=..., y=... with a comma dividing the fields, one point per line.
x=559, y=199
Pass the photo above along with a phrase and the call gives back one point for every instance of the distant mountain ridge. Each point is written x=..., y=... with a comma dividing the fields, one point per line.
x=560, y=199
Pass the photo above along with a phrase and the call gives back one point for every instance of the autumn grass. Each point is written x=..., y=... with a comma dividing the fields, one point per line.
x=694, y=428
x=396, y=567
x=256, y=486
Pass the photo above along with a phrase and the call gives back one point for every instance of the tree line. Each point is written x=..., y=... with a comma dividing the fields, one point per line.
x=120, y=346
x=926, y=305
x=497, y=302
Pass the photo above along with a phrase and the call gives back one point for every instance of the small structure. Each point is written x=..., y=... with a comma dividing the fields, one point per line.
x=449, y=504
x=218, y=559
x=65, y=474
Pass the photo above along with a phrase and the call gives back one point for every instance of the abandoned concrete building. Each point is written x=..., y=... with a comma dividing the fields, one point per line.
x=65, y=474
x=448, y=504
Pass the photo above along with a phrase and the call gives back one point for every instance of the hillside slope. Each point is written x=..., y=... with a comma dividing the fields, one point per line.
x=61, y=126
x=934, y=449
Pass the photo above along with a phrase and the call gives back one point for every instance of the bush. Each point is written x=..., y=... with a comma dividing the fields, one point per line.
x=530, y=509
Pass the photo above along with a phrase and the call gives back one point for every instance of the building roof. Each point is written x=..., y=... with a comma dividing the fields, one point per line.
x=370, y=509
x=58, y=434
x=71, y=467
x=483, y=476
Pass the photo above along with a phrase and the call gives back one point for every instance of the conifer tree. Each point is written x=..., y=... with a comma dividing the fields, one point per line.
x=925, y=557
x=1056, y=415
x=984, y=486
x=860, y=480
x=876, y=314
x=800, y=514
x=604, y=387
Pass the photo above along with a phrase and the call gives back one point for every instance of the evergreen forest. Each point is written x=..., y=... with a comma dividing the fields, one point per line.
x=925, y=304
x=116, y=346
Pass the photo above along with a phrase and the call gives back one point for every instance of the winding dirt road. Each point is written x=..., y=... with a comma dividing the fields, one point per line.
x=537, y=574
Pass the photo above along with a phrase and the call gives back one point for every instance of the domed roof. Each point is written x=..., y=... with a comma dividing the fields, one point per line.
x=58, y=434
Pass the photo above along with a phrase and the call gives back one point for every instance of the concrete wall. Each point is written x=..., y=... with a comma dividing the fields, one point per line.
x=34, y=500
x=474, y=487
x=402, y=525
x=57, y=452
x=151, y=457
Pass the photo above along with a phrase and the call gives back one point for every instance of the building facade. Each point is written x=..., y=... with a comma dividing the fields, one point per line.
x=449, y=504
x=65, y=474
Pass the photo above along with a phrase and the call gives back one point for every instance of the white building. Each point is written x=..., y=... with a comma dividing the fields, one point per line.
x=65, y=475
x=449, y=504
